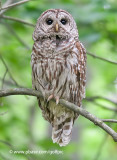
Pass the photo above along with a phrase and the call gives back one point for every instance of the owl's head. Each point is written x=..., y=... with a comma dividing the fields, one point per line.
x=55, y=22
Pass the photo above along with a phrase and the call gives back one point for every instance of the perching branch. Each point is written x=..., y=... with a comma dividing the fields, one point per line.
x=71, y=106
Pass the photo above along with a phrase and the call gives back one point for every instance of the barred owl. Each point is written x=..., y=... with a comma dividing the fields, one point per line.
x=58, y=63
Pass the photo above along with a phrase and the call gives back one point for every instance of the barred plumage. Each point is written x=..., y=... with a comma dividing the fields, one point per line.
x=58, y=70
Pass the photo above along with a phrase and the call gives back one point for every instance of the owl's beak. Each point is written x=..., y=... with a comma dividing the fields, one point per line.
x=56, y=27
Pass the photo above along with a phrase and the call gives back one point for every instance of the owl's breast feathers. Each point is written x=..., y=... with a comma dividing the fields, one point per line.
x=60, y=70
x=54, y=46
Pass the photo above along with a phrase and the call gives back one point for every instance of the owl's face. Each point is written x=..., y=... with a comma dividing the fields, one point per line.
x=55, y=22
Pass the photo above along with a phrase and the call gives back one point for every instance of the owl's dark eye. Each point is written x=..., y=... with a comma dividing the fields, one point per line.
x=63, y=21
x=49, y=21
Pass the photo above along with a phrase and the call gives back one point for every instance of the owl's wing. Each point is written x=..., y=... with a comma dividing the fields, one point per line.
x=81, y=71
x=34, y=70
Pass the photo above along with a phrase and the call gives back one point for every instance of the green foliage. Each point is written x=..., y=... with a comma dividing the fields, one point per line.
x=23, y=126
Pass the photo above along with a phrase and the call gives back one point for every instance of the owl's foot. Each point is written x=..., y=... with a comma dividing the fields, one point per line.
x=50, y=97
x=53, y=97
x=57, y=99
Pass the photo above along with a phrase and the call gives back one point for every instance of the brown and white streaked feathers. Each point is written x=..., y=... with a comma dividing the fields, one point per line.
x=58, y=70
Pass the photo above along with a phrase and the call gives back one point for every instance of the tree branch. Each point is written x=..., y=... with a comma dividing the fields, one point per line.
x=92, y=99
x=109, y=120
x=17, y=20
x=8, y=2
x=8, y=82
x=3, y=79
x=104, y=141
x=7, y=68
x=0, y=5
x=100, y=97
x=14, y=4
x=12, y=31
x=71, y=106
x=2, y=114
x=105, y=107
x=5, y=142
x=103, y=59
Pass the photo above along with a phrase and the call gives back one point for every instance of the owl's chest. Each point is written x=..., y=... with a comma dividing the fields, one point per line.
x=55, y=71
x=51, y=73
x=48, y=46
x=51, y=68
x=53, y=46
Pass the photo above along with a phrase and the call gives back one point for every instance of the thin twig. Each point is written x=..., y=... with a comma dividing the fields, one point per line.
x=8, y=2
x=3, y=79
x=106, y=107
x=103, y=59
x=2, y=114
x=0, y=5
x=100, y=97
x=16, y=36
x=16, y=84
x=15, y=4
x=104, y=140
x=102, y=144
x=5, y=142
x=109, y=120
x=71, y=106
x=9, y=71
x=8, y=83
x=101, y=105
x=17, y=20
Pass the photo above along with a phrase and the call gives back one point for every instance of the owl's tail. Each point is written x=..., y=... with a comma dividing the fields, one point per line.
x=62, y=129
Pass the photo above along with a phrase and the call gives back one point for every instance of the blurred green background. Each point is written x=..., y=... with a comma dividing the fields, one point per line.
x=22, y=126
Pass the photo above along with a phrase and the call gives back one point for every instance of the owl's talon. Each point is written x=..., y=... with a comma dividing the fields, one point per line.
x=57, y=99
x=50, y=97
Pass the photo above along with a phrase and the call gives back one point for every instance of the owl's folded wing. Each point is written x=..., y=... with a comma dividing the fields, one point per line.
x=81, y=71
